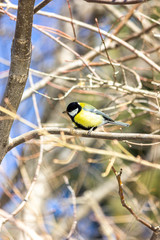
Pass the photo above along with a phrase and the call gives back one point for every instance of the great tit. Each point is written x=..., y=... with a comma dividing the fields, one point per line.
x=87, y=117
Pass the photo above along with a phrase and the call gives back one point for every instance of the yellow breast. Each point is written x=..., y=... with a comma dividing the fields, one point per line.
x=88, y=119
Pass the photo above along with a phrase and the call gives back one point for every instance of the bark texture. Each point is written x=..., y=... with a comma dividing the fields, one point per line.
x=20, y=62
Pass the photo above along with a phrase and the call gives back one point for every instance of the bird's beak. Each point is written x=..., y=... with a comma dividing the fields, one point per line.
x=64, y=112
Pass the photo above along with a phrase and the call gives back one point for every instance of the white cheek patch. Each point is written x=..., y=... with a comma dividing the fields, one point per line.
x=73, y=113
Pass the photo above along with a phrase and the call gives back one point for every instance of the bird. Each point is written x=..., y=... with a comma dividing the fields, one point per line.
x=87, y=117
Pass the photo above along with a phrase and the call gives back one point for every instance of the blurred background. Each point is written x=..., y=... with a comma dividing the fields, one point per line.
x=77, y=58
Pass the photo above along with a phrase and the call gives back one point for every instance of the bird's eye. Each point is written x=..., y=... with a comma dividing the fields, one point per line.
x=73, y=112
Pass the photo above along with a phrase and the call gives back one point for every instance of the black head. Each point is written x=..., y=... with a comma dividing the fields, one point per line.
x=73, y=108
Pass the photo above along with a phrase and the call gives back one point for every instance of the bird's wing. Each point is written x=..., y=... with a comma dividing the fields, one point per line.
x=104, y=115
x=94, y=110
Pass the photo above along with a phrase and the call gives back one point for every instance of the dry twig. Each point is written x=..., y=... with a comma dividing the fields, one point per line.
x=125, y=205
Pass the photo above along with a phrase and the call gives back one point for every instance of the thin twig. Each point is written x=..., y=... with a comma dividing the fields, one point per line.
x=70, y=12
x=20, y=225
x=124, y=204
x=112, y=65
x=74, y=224
x=138, y=53
x=40, y=158
x=41, y=5
x=59, y=98
x=68, y=48
x=117, y=2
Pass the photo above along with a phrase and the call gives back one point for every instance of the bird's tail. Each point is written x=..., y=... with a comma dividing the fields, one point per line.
x=120, y=124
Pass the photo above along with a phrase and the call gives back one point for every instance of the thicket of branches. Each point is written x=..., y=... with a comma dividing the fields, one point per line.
x=69, y=184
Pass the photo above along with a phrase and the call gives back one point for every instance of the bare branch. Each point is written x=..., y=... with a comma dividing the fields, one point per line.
x=117, y=2
x=41, y=5
x=124, y=204
x=20, y=225
x=74, y=224
x=40, y=158
x=35, y=134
